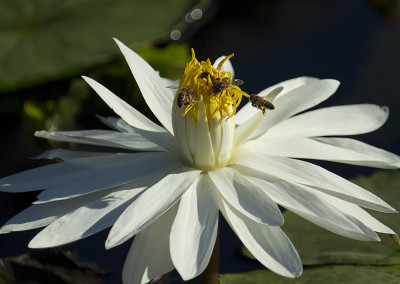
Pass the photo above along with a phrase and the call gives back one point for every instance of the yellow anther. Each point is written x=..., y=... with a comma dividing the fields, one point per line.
x=201, y=78
x=219, y=67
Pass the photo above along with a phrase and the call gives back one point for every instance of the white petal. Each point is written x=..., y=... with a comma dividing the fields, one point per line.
x=66, y=155
x=311, y=205
x=380, y=158
x=190, y=133
x=107, y=138
x=204, y=156
x=268, y=244
x=151, y=204
x=81, y=176
x=179, y=126
x=244, y=130
x=248, y=200
x=41, y=215
x=360, y=214
x=295, y=101
x=121, y=170
x=216, y=132
x=194, y=230
x=226, y=67
x=149, y=256
x=116, y=123
x=170, y=83
x=356, y=153
x=248, y=111
x=337, y=120
x=311, y=175
x=93, y=217
x=164, y=139
x=227, y=128
x=124, y=110
x=157, y=96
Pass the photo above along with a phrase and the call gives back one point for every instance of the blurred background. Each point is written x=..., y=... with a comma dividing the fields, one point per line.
x=45, y=46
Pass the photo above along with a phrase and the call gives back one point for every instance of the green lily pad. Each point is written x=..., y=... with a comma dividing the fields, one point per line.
x=43, y=40
x=317, y=246
x=323, y=274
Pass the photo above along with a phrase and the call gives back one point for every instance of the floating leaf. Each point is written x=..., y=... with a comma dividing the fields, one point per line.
x=43, y=39
x=317, y=246
x=325, y=274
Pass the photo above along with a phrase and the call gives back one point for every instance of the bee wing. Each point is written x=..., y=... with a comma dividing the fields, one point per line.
x=272, y=95
x=237, y=82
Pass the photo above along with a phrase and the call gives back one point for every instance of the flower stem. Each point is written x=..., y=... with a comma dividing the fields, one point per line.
x=211, y=273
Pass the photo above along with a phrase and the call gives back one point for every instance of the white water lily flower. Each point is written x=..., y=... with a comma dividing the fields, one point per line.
x=206, y=158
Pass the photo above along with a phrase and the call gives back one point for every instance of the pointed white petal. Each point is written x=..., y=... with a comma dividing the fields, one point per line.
x=66, y=155
x=116, y=123
x=190, y=133
x=81, y=176
x=311, y=205
x=227, y=65
x=204, y=156
x=194, y=230
x=41, y=215
x=337, y=120
x=98, y=174
x=268, y=244
x=170, y=83
x=248, y=200
x=93, y=217
x=149, y=256
x=227, y=128
x=380, y=158
x=124, y=110
x=314, y=176
x=107, y=138
x=151, y=204
x=248, y=111
x=216, y=133
x=157, y=96
x=360, y=214
x=299, y=147
x=179, y=126
x=164, y=139
x=356, y=153
x=293, y=102
x=248, y=127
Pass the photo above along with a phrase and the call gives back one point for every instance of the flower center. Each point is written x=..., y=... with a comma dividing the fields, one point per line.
x=203, y=114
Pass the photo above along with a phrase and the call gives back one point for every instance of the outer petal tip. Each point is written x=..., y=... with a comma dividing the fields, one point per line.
x=4, y=230
x=36, y=244
x=116, y=40
x=109, y=244
x=385, y=109
x=87, y=79
x=396, y=239
x=333, y=83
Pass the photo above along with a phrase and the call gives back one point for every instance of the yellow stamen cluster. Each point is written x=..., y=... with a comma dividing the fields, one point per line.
x=201, y=77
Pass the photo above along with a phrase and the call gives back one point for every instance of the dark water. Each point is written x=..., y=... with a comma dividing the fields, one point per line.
x=273, y=41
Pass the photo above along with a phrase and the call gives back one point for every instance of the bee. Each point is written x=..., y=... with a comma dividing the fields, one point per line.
x=221, y=85
x=204, y=75
x=261, y=103
x=185, y=95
